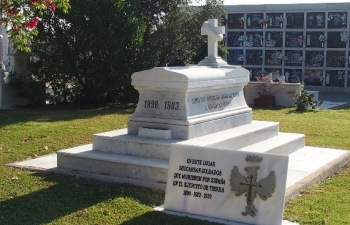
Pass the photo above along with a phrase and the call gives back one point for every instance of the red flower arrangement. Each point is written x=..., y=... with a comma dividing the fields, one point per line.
x=267, y=86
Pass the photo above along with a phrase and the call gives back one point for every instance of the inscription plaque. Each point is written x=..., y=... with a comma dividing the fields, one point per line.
x=235, y=39
x=315, y=39
x=315, y=20
x=276, y=73
x=294, y=39
x=235, y=57
x=336, y=39
x=254, y=57
x=273, y=39
x=235, y=21
x=273, y=57
x=294, y=58
x=295, y=20
x=335, y=78
x=336, y=59
x=212, y=182
x=314, y=58
x=313, y=77
x=293, y=75
x=212, y=102
x=337, y=20
x=254, y=39
x=274, y=20
x=255, y=20
x=253, y=73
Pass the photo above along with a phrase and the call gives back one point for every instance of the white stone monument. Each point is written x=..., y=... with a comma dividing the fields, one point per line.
x=199, y=105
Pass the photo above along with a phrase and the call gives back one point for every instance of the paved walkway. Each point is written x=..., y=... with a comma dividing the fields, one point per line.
x=333, y=100
x=334, y=97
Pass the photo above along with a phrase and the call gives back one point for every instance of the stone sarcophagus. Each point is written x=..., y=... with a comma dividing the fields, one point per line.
x=188, y=102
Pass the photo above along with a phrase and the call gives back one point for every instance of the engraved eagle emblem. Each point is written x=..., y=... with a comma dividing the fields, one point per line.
x=249, y=185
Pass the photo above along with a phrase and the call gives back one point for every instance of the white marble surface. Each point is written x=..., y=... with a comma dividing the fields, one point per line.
x=221, y=202
x=211, y=219
x=190, y=101
x=215, y=33
x=119, y=142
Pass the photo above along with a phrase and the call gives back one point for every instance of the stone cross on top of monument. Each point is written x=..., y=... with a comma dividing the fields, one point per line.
x=215, y=34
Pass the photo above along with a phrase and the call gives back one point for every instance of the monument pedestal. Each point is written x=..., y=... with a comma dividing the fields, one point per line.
x=144, y=161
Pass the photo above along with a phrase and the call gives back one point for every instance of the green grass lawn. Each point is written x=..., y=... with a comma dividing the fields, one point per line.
x=28, y=197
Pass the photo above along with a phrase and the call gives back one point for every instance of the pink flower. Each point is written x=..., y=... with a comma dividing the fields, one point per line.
x=32, y=24
x=16, y=28
x=32, y=2
x=52, y=6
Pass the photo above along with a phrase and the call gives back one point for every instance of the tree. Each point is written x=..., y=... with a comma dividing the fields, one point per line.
x=180, y=33
x=100, y=44
x=23, y=16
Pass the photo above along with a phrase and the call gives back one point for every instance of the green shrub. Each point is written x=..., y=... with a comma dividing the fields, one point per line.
x=305, y=101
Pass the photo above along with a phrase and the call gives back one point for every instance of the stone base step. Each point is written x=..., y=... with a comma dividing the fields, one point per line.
x=120, y=142
x=283, y=144
x=84, y=159
x=238, y=137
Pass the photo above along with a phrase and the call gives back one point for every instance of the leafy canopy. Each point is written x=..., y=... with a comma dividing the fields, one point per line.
x=23, y=16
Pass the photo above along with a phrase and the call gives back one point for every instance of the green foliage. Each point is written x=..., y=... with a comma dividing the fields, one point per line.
x=31, y=90
x=22, y=17
x=100, y=44
x=305, y=100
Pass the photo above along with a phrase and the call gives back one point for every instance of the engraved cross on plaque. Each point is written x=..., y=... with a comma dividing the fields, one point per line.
x=215, y=34
x=249, y=185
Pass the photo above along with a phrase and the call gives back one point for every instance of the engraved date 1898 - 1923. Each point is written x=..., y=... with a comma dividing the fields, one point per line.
x=155, y=104
x=197, y=194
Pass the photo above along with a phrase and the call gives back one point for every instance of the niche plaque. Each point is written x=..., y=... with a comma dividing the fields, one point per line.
x=235, y=57
x=273, y=58
x=294, y=58
x=314, y=58
x=315, y=39
x=254, y=39
x=293, y=75
x=313, y=77
x=235, y=21
x=337, y=39
x=295, y=20
x=274, y=20
x=336, y=59
x=337, y=20
x=254, y=57
x=315, y=20
x=335, y=78
x=273, y=39
x=235, y=39
x=253, y=73
x=255, y=20
x=294, y=39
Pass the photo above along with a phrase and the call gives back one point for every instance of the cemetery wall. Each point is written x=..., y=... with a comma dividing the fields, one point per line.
x=306, y=43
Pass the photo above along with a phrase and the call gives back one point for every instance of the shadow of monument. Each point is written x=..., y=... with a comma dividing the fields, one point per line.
x=67, y=195
x=55, y=114
x=151, y=218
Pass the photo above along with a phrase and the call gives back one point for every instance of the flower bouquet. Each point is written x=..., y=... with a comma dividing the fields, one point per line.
x=267, y=88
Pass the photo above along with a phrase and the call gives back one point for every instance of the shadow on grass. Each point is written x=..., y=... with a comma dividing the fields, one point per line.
x=301, y=112
x=155, y=217
x=276, y=108
x=67, y=195
x=51, y=113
